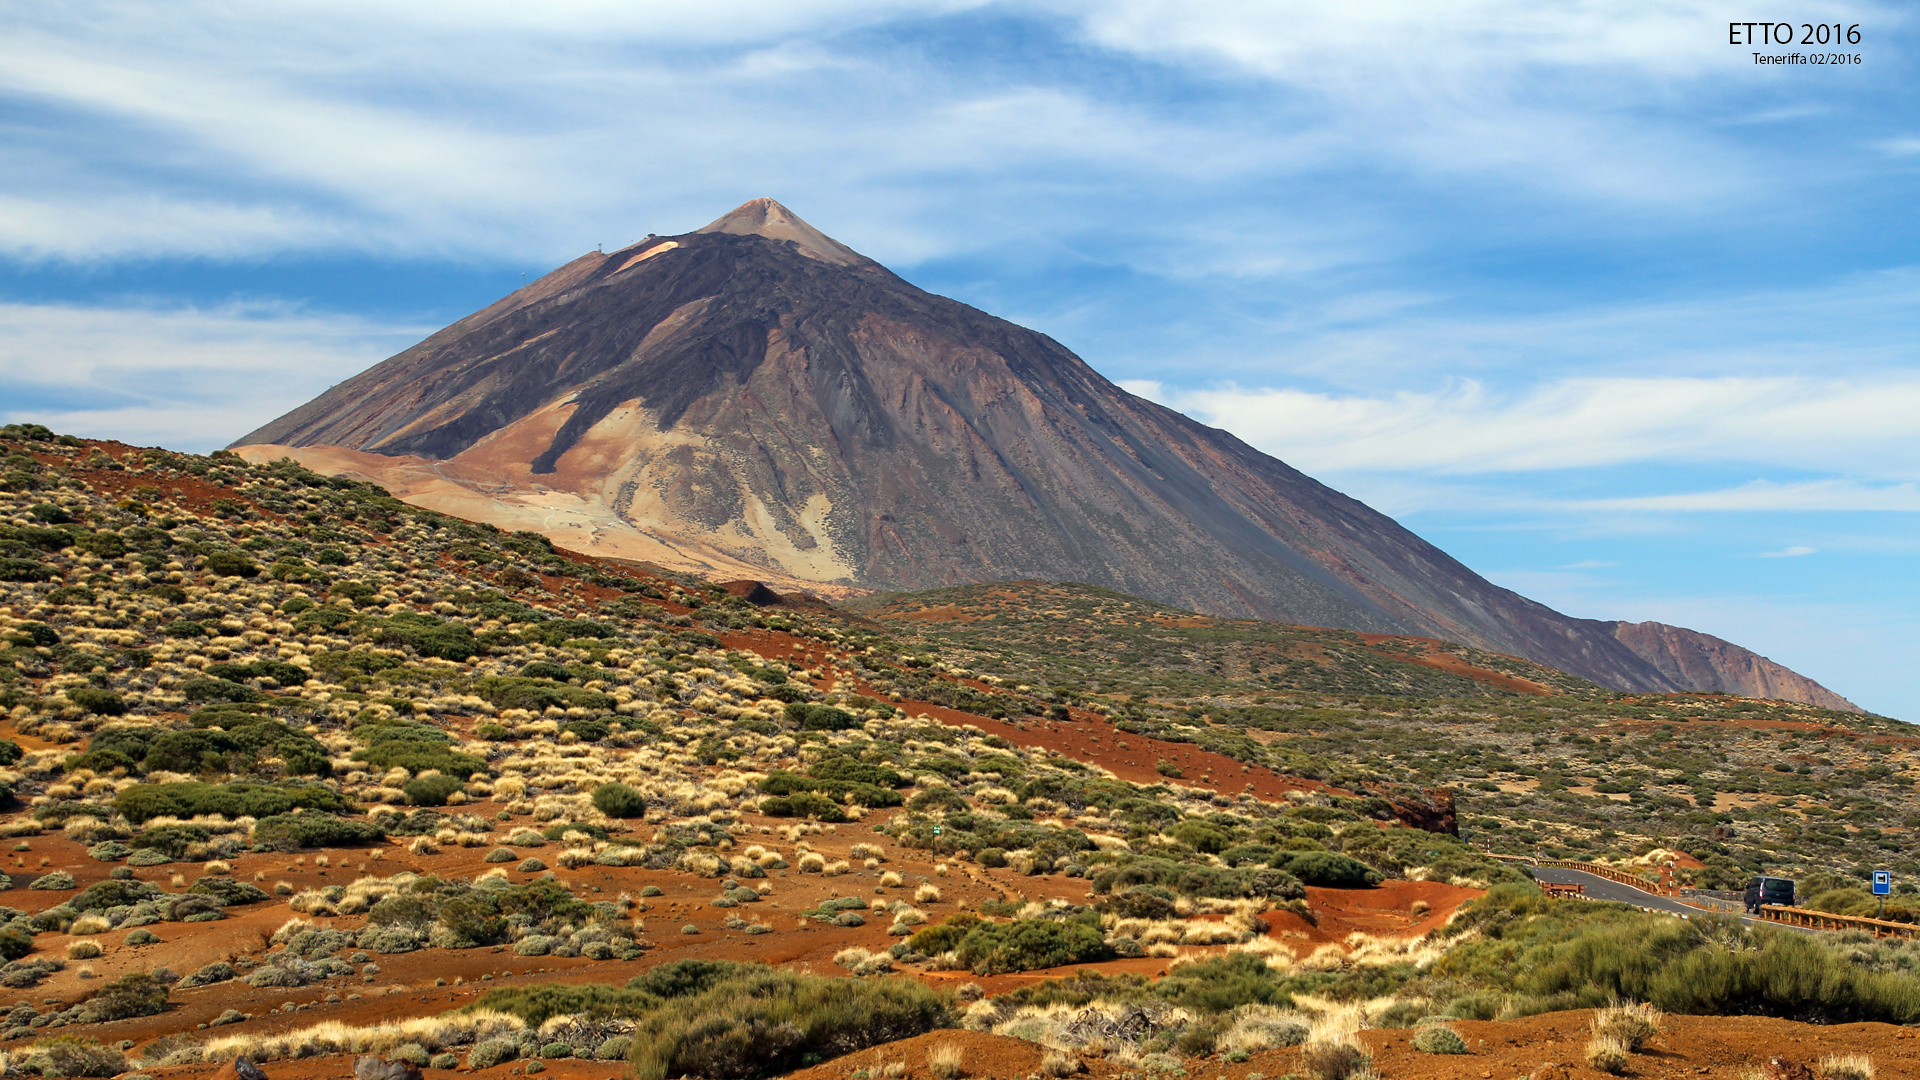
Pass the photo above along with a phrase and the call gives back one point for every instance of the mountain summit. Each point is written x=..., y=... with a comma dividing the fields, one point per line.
x=757, y=399
x=765, y=217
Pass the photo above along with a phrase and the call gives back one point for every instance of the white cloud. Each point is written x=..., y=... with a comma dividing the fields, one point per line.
x=506, y=128
x=1763, y=496
x=1859, y=427
x=183, y=378
x=1794, y=552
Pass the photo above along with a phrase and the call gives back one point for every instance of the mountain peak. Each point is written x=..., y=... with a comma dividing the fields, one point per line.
x=766, y=217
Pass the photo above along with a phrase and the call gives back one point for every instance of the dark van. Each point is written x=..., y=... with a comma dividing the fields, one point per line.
x=1769, y=890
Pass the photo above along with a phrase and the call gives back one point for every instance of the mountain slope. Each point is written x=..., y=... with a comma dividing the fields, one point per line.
x=756, y=396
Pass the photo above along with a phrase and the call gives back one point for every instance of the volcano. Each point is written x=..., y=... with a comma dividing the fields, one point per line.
x=755, y=399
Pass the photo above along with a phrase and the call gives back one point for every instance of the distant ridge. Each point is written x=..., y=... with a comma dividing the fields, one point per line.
x=754, y=399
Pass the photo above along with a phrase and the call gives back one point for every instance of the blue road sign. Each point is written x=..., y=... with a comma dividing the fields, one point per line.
x=1882, y=882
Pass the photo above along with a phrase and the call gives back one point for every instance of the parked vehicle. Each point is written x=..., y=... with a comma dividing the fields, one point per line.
x=1777, y=891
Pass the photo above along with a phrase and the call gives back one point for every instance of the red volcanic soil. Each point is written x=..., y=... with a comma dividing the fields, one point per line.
x=1438, y=658
x=1547, y=1047
x=432, y=981
x=1086, y=736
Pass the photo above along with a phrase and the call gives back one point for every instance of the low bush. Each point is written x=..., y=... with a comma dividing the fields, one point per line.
x=810, y=717
x=187, y=799
x=991, y=948
x=137, y=994
x=1334, y=1060
x=72, y=1055
x=427, y=635
x=112, y=893
x=174, y=840
x=1543, y=955
x=419, y=755
x=619, y=801
x=1439, y=1039
x=431, y=790
x=1195, y=880
x=218, y=690
x=787, y=784
x=1328, y=870
x=767, y=1022
x=229, y=892
x=518, y=692
x=292, y=832
x=540, y=1003
x=808, y=804
x=97, y=700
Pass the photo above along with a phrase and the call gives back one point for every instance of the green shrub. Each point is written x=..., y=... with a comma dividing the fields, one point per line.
x=1025, y=944
x=642, y=994
x=684, y=978
x=430, y=790
x=428, y=636
x=96, y=700
x=102, y=895
x=34, y=635
x=278, y=670
x=1328, y=870
x=491, y=1052
x=771, y=1022
x=74, y=1055
x=1223, y=984
x=1142, y=902
x=784, y=783
x=228, y=563
x=810, y=717
x=217, y=690
x=229, y=892
x=291, y=832
x=136, y=994
x=1549, y=955
x=418, y=756
x=515, y=692
x=1439, y=1039
x=1201, y=836
x=619, y=801
x=803, y=804
x=943, y=937
x=1194, y=880
x=174, y=840
x=853, y=770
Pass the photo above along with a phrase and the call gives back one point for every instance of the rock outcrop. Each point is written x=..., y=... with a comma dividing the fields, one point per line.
x=1700, y=661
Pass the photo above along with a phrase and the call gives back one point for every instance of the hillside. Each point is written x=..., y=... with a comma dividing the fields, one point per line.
x=296, y=771
x=754, y=399
x=1536, y=759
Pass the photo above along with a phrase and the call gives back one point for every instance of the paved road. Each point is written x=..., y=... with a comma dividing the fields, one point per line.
x=1607, y=889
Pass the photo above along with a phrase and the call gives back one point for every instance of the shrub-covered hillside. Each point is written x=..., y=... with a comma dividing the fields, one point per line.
x=276, y=742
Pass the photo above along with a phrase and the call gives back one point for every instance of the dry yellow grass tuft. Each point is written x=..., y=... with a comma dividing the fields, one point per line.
x=947, y=1061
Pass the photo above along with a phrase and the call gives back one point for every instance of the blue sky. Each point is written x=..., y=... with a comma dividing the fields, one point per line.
x=1580, y=293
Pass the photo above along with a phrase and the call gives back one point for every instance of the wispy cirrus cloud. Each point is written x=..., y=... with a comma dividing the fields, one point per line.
x=180, y=377
x=1863, y=427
